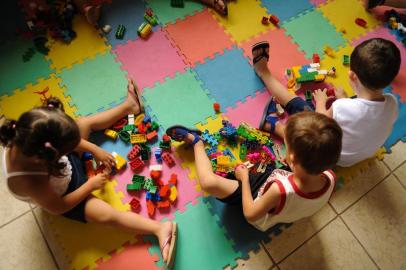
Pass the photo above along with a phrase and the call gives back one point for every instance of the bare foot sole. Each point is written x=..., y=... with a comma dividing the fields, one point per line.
x=218, y=5
x=167, y=241
x=134, y=99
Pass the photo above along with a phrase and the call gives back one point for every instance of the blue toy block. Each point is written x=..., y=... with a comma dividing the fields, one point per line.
x=227, y=152
x=146, y=119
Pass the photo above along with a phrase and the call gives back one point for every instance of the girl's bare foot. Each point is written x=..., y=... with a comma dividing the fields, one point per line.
x=218, y=5
x=164, y=232
x=133, y=100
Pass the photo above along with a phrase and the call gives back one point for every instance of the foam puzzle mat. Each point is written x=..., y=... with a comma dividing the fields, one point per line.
x=193, y=58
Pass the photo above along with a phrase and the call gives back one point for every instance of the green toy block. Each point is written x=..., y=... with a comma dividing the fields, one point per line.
x=124, y=136
x=346, y=60
x=148, y=184
x=128, y=128
x=177, y=3
x=134, y=186
x=154, y=125
x=138, y=178
x=153, y=189
x=151, y=19
x=165, y=145
x=243, y=151
x=120, y=31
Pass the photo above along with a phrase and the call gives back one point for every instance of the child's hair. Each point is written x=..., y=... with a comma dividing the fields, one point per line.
x=376, y=62
x=46, y=132
x=315, y=140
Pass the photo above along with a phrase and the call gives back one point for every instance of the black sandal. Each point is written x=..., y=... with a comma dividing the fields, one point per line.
x=263, y=45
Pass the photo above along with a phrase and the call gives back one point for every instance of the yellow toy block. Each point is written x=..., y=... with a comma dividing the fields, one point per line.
x=319, y=77
x=295, y=71
x=120, y=161
x=223, y=161
x=221, y=168
x=139, y=119
x=138, y=138
x=329, y=51
x=174, y=194
x=111, y=134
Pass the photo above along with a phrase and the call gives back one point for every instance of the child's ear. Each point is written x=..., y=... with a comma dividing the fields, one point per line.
x=353, y=77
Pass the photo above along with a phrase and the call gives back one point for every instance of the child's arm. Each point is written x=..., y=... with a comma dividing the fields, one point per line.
x=99, y=153
x=46, y=197
x=253, y=211
x=320, y=97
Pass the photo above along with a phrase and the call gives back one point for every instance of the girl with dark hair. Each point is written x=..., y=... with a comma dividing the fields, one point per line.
x=42, y=165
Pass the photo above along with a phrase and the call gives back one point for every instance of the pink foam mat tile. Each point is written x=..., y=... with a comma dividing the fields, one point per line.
x=151, y=60
x=198, y=36
x=283, y=53
x=384, y=32
x=318, y=2
x=186, y=188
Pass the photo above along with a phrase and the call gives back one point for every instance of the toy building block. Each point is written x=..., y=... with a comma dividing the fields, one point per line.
x=173, y=180
x=151, y=208
x=124, y=136
x=138, y=138
x=151, y=19
x=136, y=164
x=164, y=191
x=90, y=171
x=153, y=189
x=329, y=51
x=120, y=161
x=134, y=186
x=361, y=22
x=158, y=154
x=111, y=134
x=131, y=119
x=346, y=60
x=138, y=120
x=163, y=204
x=166, y=138
x=273, y=19
x=152, y=136
x=168, y=159
x=135, y=151
x=243, y=151
x=120, y=31
x=165, y=146
x=106, y=29
x=144, y=30
x=331, y=92
x=265, y=21
x=248, y=164
x=128, y=128
x=216, y=107
x=174, y=194
x=156, y=175
x=155, y=167
x=138, y=178
x=149, y=12
x=148, y=184
x=145, y=153
x=316, y=58
x=223, y=160
x=135, y=205
x=142, y=128
x=177, y=3
x=227, y=152
x=120, y=124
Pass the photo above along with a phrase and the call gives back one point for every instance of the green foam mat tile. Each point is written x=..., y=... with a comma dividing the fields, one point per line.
x=201, y=242
x=180, y=100
x=312, y=31
x=14, y=72
x=96, y=84
x=168, y=14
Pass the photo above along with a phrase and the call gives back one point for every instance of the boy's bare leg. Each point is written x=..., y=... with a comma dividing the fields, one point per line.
x=210, y=182
x=98, y=211
x=388, y=3
x=107, y=118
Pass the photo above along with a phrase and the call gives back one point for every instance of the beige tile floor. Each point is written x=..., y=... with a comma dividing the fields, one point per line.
x=363, y=227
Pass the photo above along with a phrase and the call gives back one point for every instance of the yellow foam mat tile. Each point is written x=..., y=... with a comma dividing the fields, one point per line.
x=243, y=20
x=350, y=173
x=341, y=78
x=342, y=14
x=86, y=45
x=84, y=244
x=23, y=100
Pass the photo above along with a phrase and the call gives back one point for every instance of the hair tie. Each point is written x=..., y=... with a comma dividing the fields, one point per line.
x=51, y=106
x=48, y=145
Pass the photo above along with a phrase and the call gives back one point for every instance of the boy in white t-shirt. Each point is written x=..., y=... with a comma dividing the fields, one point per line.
x=366, y=120
x=313, y=145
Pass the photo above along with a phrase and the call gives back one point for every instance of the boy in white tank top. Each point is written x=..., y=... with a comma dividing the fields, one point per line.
x=313, y=145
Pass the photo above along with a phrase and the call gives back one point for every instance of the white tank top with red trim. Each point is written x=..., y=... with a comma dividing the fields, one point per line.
x=294, y=203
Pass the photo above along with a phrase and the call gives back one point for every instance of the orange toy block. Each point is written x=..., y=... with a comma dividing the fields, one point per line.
x=164, y=191
x=151, y=208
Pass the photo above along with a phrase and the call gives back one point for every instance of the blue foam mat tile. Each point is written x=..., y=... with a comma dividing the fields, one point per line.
x=286, y=9
x=229, y=78
x=399, y=128
x=245, y=237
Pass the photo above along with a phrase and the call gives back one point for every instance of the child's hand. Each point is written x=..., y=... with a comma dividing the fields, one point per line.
x=320, y=95
x=99, y=180
x=241, y=172
x=104, y=157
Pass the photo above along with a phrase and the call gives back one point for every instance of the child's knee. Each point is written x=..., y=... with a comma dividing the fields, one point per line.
x=208, y=182
x=107, y=218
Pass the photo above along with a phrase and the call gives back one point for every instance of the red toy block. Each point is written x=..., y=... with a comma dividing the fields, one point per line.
x=361, y=22
x=136, y=164
x=155, y=175
x=168, y=159
x=273, y=19
x=216, y=107
x=264, y=21
x=164, y=191
x=148, y=125
x=152, y=135
x=163, y=204
x=316, y=58
x=142, y=128
x=151, y=208
x=149, y=12
x=330, y=92
x=120, y=124
x=135, y=205
x=135, y=151
x=166, y=138
x=174, y=179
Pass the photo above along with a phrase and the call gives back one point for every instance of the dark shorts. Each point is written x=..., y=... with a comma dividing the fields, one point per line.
x=296, y=105
x=79, y=177
x=256, y=182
